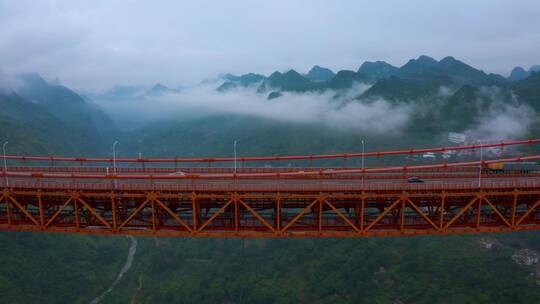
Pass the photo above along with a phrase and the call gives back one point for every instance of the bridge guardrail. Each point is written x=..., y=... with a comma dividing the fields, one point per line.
x=202, y=187
x=501, y=144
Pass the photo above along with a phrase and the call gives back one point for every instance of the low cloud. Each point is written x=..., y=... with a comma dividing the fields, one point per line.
x=330, y=108
x=505, y=117
x=8, y=83
x=499, y=117
x=504, y=121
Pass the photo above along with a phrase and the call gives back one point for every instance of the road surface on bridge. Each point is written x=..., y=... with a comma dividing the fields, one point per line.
x=132, y=196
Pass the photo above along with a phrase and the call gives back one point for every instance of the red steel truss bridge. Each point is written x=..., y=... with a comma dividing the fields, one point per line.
x=208, y=196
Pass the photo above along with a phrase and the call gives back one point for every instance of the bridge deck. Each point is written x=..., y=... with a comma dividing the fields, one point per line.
x=264, y=210
x=268, y=202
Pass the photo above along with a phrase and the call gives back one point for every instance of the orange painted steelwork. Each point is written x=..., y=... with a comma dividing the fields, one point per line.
x=417, y=209
x=411, y=151
x=270, y=202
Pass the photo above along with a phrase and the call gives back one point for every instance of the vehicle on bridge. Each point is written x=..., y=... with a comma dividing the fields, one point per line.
x=513, y=167
x=414, y=179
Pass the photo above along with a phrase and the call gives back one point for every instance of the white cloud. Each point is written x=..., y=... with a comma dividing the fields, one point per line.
x=505, y=117
x=328, y=108
x=508, y=121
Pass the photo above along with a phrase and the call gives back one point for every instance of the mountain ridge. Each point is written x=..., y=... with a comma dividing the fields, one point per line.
x=448, y=69
x=519, y=73
x=318, y=73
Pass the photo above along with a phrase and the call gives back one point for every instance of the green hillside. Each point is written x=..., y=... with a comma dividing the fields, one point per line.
x=57, y=268
x=54, y=128
x=60, y=268
x=423, y=269
x=528, y=90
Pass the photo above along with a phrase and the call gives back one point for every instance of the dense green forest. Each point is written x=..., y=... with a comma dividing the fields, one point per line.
x=58, y=268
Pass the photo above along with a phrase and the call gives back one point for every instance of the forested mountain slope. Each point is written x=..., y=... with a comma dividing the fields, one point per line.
x=59, y=268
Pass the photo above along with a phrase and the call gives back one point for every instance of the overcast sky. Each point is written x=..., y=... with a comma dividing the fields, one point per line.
x=92, y=45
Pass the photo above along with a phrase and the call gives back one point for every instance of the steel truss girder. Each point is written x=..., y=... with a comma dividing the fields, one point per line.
x=266, y=214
